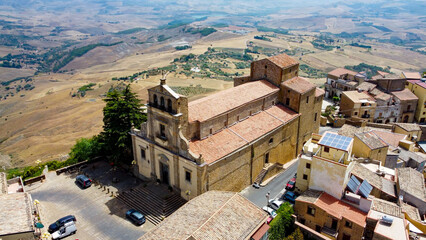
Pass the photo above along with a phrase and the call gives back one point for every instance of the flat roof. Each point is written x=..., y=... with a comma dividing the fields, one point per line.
x=216, y=104
x=230, y=139
x=212, y=215
x=394, y=231
x=15, y=213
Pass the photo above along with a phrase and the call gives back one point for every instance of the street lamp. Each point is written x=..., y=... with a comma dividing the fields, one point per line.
x=267, y=198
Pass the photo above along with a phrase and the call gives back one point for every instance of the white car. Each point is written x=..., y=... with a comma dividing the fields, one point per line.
x=66, y=230
x=270, y=211
x=275, y=204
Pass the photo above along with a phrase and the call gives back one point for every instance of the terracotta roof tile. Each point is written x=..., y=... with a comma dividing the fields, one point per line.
x=413, y=81
x=217, y=145
x=356, y=96
x=405, y=95
x=341, y=71
x=15, y=213
x=263, y=122
x=212, y=215
x=230, y=139
x=299, y=84
x=421, y=84
x=383, y=96
x=371, y=140
x=319, y=92
x=409, y=126
x=375, y=180
x=411, y=211
x=411, y=75
x=349, y=130
x=390, y=138
x=283, y=60
x=411, y=181
x=223, y=101
x=384, y=206
x=339, y=209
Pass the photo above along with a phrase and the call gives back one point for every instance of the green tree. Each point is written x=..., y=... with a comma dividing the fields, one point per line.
x=282, y=223
x=85, y=149
x=296, y=235
x=122, y=111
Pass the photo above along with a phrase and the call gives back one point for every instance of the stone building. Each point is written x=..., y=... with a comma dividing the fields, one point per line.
x=358, y=105
x=340, y=80
x=330, y=216
x=418, y=87
x=226, y=140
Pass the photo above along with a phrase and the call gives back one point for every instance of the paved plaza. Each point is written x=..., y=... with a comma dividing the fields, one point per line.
x=99, y=215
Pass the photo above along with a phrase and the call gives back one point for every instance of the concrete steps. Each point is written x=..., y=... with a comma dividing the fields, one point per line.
x=150, y=204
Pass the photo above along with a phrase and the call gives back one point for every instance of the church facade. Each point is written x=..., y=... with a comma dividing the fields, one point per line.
x=226, y=140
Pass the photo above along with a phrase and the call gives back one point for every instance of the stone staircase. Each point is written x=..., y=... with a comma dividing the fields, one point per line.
x=152, y=205
x=265, y=170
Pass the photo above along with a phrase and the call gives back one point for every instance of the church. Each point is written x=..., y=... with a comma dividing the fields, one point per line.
x=230, y=139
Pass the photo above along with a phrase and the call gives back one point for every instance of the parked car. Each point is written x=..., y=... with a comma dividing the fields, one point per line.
x=135, y=217
x=270, y=211
x=291, y=184
x=290, y=196
x=84, y=181
x=60, y=223
x=69, y=228
x=275, y=204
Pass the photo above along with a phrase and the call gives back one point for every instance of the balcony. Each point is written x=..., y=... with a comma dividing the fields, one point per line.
x=330, y=232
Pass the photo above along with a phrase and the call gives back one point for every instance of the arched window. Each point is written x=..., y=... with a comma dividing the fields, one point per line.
x=162, y=102
x=169, y=105
x=155, y=100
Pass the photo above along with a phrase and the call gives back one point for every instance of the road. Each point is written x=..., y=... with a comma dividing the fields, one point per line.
x=276, y=187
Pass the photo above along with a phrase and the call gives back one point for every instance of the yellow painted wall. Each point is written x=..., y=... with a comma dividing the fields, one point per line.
x=360, y=149
x=420, y=92
x=335, y=154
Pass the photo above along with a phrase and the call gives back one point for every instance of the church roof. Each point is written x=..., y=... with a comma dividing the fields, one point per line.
x=283, y=60
x=236, y=136
x=223, y=101
x=299, y=84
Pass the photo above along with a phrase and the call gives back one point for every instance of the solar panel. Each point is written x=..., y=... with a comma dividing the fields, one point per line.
x=335, y=141
x=365, y=189
x=353, y=184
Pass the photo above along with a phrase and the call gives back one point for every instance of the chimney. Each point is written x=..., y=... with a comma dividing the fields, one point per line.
x=163, y=81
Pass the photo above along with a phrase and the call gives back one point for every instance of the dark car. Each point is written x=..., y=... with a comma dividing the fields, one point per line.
x=136, y=217
x=290, y=196
x=61, y=222
x=291, y=184
x=84, y=181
